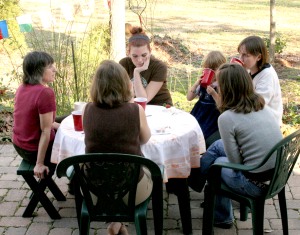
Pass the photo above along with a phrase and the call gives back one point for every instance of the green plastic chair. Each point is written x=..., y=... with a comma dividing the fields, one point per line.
x=111, y=176
x=288, y=151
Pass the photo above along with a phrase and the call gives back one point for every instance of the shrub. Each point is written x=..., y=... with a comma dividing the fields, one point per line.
x=280, y=43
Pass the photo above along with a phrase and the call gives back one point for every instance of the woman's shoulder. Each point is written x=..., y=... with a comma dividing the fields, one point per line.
x=157, y=65
x=155, y=61
x=125, y=61
x=267, y=72
x=229, y=115
x=133, y=107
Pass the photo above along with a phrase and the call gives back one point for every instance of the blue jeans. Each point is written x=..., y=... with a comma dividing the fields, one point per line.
x=233, y=179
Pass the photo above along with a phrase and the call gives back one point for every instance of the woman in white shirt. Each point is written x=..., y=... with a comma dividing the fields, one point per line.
x=254, y=54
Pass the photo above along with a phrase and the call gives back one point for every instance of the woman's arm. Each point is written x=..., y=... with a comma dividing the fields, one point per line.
x=154, y=86
x=46, y=121
x=145, y=132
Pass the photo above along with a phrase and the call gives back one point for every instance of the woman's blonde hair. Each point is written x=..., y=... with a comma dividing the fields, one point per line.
x=111, y=84
x=213, y=60
x=236, y=90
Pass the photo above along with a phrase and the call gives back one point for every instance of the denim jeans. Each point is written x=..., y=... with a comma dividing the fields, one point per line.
x=233, y=179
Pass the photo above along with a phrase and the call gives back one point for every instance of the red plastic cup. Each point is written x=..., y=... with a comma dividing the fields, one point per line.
x=236, y=61
x=141, y=101
x=207, y=77
x=77, y=118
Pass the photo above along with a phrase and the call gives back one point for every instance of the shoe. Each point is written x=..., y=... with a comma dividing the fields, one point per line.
x=224, y=225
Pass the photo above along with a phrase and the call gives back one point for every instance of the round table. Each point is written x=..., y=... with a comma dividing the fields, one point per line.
x=176, y=142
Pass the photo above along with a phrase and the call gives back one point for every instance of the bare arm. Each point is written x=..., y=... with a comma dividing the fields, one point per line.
x=145, y=132
x=46, y=121
x=151, y=89
x=191, y=92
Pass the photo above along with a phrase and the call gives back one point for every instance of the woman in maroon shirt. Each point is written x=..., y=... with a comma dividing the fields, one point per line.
x=34, y=113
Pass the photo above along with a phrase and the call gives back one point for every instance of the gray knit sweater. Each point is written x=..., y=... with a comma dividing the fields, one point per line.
x=248, y=137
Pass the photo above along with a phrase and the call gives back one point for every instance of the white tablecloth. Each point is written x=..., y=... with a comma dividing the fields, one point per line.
x=177, y=141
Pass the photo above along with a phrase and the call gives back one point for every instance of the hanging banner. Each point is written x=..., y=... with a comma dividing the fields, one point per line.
x=25, y=23
x=3, y=29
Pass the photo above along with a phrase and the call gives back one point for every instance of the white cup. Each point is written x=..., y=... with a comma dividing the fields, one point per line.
x=79, y=105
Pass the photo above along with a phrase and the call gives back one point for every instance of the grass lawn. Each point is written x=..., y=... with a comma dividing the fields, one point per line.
x=184, y=31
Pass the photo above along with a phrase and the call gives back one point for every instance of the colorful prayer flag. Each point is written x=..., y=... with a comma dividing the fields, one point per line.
x=25, y=23
x=3, y=29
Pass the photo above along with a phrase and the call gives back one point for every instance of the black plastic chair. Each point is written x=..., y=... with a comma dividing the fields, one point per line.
x=111, y=176
x=288, y=151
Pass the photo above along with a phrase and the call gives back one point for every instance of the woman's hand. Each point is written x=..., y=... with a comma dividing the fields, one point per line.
x=55, y=125
x=40, y=170
x=145, y=65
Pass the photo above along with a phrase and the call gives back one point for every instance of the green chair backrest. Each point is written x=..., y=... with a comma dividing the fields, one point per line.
x=109, y=176
x=288, y=151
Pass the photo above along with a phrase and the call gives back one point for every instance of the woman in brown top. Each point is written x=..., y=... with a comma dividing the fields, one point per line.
x=149, y=75
x=113, y=123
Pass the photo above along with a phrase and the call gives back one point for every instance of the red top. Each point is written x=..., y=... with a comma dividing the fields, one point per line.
x=30, y=101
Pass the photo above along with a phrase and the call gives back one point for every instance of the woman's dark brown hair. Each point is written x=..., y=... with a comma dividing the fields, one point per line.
x=34, y=65
x=255, y=45
x=236, y=90
x=111, y=84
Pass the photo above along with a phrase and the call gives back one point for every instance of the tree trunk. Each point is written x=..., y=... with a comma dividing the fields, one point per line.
x=272, y=30
x=118, y=46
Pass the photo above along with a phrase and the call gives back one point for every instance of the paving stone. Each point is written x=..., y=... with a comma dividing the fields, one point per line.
x=62, y=231
x=15, y=231
x=8, y=208
x=15, y=222
x=15, y=193
x=38, y=229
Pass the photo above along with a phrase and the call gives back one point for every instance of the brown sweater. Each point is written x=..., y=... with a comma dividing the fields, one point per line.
x=112, y=130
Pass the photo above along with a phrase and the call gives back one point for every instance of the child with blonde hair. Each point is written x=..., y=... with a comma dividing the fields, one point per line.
x=205, y=110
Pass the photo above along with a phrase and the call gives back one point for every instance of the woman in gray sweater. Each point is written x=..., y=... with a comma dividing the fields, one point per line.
x=248, y=130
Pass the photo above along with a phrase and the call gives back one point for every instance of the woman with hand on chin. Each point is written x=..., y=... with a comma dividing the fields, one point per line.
x=148, y=74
